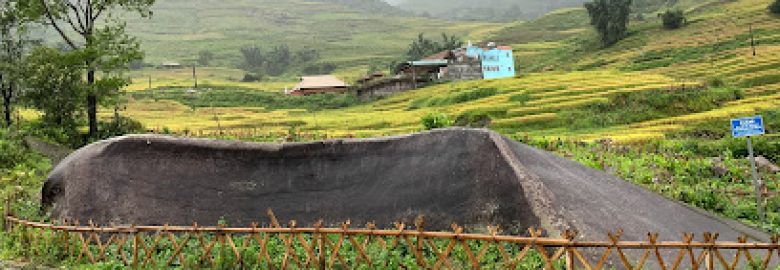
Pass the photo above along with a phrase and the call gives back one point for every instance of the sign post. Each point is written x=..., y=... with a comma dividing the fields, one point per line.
x=747, y=127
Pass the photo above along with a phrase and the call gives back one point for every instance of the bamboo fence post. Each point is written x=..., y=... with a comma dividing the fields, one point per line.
x=320, y=241
x=419, y=222
x=135, y=245
x=68, y=248
x=569, y=235
x=708, y=237
x=770, y=252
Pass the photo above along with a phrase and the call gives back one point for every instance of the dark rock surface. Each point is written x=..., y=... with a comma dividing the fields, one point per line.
x=467, y=176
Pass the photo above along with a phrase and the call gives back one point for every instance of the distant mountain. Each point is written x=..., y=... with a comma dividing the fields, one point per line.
x=506, y=10
x=487, y=10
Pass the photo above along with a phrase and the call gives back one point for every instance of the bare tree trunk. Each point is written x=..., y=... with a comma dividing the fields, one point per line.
x=92, y=106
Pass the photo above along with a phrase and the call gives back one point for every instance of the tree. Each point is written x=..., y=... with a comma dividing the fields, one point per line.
x=79, y=25
x=673, y=19
x=13, y=41
x=423, y=46
x=307, y=55
x=279, y=59
x=449, y=42
x=610, y=18
x=205, y=57
x=775, y=7
x=253, y=57
x=54, y=85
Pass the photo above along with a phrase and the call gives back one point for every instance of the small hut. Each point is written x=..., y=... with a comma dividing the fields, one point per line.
x=318, y=85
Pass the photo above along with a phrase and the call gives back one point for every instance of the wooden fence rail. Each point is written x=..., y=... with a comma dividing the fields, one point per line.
x=290, y=247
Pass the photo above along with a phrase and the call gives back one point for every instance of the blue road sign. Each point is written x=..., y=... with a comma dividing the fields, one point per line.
x=748, y=126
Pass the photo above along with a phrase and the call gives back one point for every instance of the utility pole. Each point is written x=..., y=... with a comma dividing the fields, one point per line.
x=752, y=40
x=195, y=77
x=150, y=82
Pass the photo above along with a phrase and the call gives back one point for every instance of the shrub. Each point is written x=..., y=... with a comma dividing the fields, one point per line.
x=521, y=98
x=11, y=152
x=775, y=7
x=436, y=120
x=205, y=57
x=473, y=120
x=119, y=127
x=252, y=77
x=716, y=82
x=673, y=19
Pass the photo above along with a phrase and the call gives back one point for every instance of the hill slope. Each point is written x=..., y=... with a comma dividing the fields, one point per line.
x=650, y=67
x=345, y=34
x=495, y=10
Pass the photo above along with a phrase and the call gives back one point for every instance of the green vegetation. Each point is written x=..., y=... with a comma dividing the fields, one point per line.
x=454, y=98
x=435, y=120
x=719, y=183
x=610, y=18
x=54, y=87
x=205, y=58
x=673, y=19
x=19, y=243
x=281, y=60
x=345, y=32
x=652, y=108
x=626, y=108
x=423, y=47
x=775, y=7
x=497, y=10
x=556, y=26
x=13, y=42
x=105, y=47
x=373, y=6
x=21, y=173
x=210, y=96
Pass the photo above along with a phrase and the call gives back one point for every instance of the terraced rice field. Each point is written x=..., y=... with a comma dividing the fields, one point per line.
x=715, y=45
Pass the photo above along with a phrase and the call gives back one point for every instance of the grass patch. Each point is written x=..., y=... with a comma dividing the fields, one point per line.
x=760, y=80
x=668, y=57
x=454, y=98
x=521, y=98
x=626, y=108
x=238, y=97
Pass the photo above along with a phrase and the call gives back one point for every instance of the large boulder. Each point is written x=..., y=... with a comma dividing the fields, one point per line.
x=466, y=176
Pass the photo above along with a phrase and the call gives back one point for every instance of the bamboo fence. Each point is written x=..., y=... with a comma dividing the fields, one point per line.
x=319, y=247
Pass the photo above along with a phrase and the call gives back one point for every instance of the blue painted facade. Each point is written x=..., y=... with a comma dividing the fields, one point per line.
x=496, y=62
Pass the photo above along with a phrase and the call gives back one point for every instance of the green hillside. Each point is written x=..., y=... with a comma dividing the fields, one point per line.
x=494, y=10
x=564, y=75
x=345, y=34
